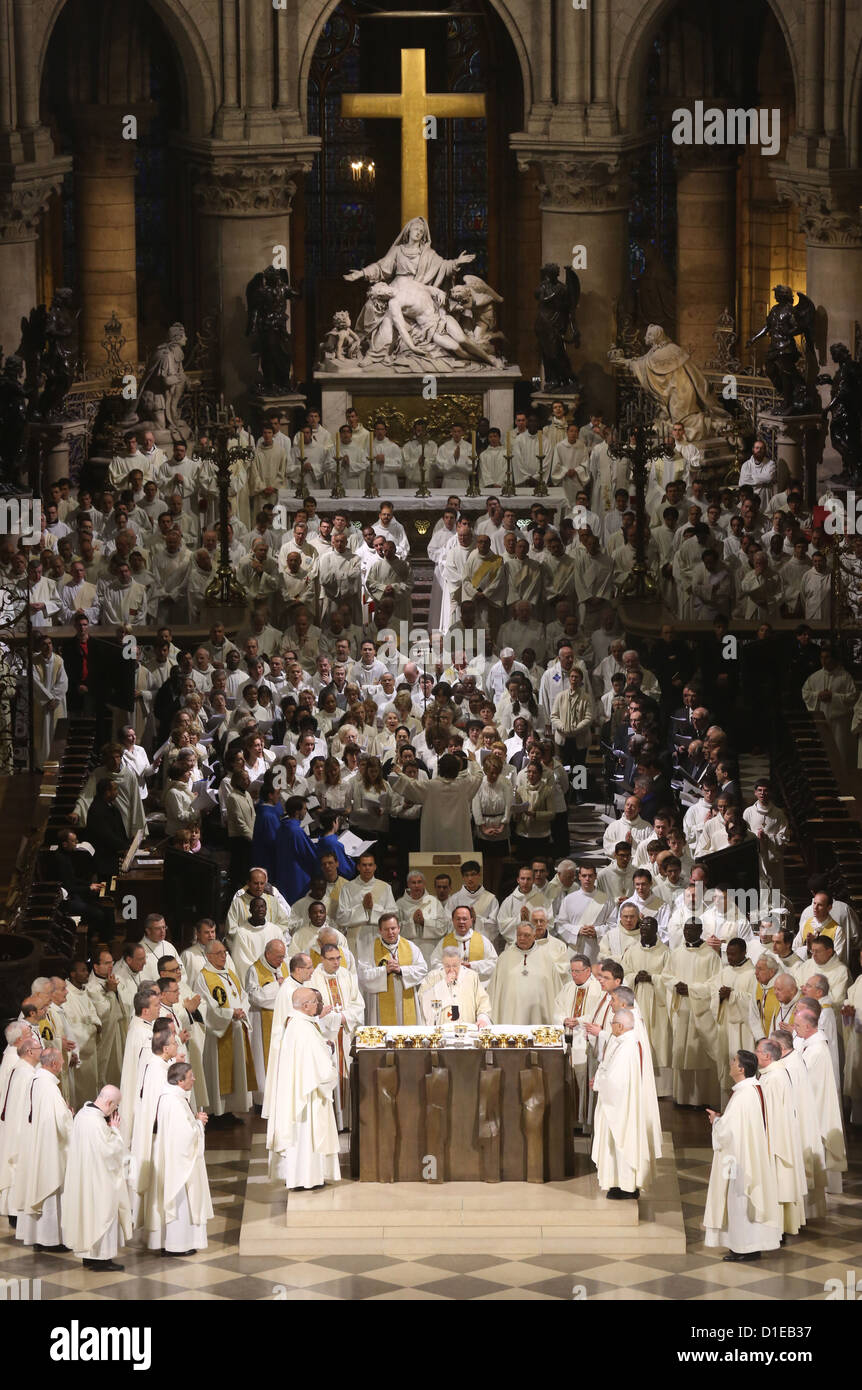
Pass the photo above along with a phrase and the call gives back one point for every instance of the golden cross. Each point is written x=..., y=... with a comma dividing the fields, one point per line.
x=411, y=105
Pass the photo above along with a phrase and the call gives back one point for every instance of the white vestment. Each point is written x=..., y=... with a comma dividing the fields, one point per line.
x=301, y=1133
x=97, y=1216
x=180, y=1205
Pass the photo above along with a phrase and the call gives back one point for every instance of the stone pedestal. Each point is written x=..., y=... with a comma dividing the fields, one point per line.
x=796, y=441
x=495, y=389
x=255, y=407
x=54, y=438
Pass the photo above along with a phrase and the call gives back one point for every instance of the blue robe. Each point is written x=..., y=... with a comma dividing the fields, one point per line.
x=295, y=861
x=332, y=844
x=266, y=822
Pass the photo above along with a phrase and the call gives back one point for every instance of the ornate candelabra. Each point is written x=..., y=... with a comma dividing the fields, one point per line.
x=423, y=490
x=224, y=588
x=370, y=489
x=508, y=488
x=541, y=488
x=644, y=447
x=337, y=486
x=473, y=485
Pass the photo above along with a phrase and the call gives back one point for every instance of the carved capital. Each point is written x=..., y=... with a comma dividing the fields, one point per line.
x=590, y=183
x=22, y=204
x=826, y=218
x=246, y=189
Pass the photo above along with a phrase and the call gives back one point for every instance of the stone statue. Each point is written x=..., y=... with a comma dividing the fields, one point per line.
x=267, y=296
x=412, y=318
x=46, y=349
x=473, y=304
x=555, y=325
x=161, y=389
x=785, y=322
x=667, y=373
x=341, y=344
x=13, y=418
x=845, y=407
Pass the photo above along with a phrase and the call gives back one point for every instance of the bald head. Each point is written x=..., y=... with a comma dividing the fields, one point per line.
x=785, y=988
x=306, y=1001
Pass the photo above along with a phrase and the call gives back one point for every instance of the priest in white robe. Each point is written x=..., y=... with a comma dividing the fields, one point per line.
x=644, y=963
x=423, y=917
x=688, y=979
x=575, y=1004
x=301, y=1132
x=807, y=1123
x=50, y=687
x=732, y=999
x=248, y=940
x=474, y=948
x=46, y=1127
x=450, y=994
x=391, y=969
x=97, y=1214
x=742, y=1209
x=525, y=983
x=623, y=1148
x=103, y=991
x=139, y=1039
x=152, y=1079
x=343, y=1012
x=363, y=898
x=785, y=1140
x=13, y=1113
x=814, y=1048
x=180, y=1204
x=85, y=1026
x=184, y=1008
x=230, y=1074
x=262, y=983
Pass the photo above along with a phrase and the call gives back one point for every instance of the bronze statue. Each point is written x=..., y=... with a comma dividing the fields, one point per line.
x=555, y=325
x=845, y=407
x=46, y=349
x=13, y=419
x=785, y=322
x=267, y=296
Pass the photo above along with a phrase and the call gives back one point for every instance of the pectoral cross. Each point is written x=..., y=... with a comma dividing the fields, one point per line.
x=411, y=106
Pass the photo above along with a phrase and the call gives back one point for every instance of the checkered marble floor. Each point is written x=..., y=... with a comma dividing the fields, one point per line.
x=824, y=1250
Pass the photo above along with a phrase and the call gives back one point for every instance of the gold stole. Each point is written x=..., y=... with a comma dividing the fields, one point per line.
x=46, y=1030
x=387, y=1013
x=476, y=951
x=225, y=1042
x=767, y=1007
x=336, y=1000
x=813, y=928
x=491, y=565
x=265, y=976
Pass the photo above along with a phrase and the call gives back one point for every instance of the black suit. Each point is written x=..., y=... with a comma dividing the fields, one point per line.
x=108, y=836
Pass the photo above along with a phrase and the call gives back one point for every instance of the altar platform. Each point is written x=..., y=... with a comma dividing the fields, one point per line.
x=412, y=1220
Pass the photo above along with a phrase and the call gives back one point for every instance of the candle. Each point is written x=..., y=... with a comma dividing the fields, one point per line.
x=540, y=442
x=370, y=448
x=337, y=443
x=508, y=441
x=473, y=436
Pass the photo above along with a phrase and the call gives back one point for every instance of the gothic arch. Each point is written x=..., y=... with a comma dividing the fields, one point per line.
x=309, y=33
x=640, y=25
x=193, y=47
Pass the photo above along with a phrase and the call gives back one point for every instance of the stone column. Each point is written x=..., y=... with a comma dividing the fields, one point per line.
x=706, y=248
x=584, y=201
x=244, y=214
x=24, y=195
x=105, y=189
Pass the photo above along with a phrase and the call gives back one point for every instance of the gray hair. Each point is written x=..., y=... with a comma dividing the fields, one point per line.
x=51, y=1056
x=213, y=946
x=15, y=1031
x=451, y=951
x=625, y=1017
x=567, y=864
x=771, y=1047
x=625, y=995
x=820, y=982
x=415, y=873
x=40, y=985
